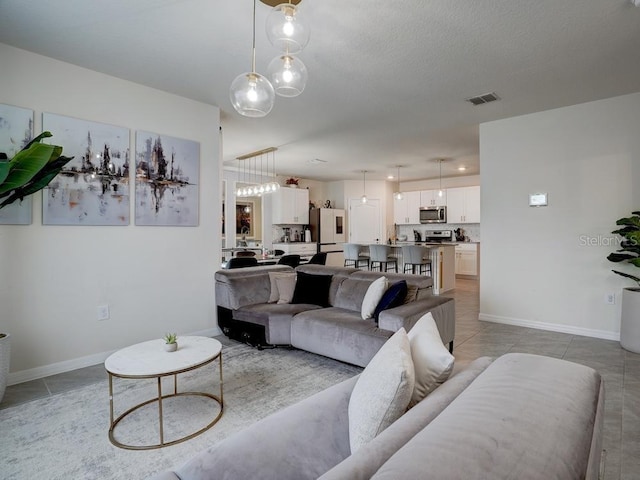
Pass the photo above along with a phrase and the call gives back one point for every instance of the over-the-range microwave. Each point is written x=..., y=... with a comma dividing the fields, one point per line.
x=433, y=214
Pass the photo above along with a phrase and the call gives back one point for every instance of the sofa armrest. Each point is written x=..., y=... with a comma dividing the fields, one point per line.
x=442, y=309
x=299, y=442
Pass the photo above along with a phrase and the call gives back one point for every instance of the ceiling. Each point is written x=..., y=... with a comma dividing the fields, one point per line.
x=387, y=80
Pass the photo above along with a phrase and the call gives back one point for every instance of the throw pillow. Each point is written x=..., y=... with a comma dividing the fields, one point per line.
x=372, y=297
x=286, y=285
x=274, y=295
x=382, y=393
x=412, y=294
x=313, y=289
x=432, y=361
x=393, y=297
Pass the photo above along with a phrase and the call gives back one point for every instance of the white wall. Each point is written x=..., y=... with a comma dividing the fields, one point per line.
x=539, y=267
x=154, y=279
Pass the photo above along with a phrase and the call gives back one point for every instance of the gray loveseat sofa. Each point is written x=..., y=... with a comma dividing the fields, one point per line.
x=337, y=330
x=519, y=417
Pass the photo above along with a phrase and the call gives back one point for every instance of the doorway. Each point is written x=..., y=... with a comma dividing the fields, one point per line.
x=364, y=221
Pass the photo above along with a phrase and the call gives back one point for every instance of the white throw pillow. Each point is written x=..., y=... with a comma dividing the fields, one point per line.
x=431, y=359
x=372, y=297
x=382, y=393
x=274, y=295
x=286, y=286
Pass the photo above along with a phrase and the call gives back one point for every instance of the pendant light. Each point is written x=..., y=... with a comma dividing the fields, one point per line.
x=363, y=198
x=286, y=28
x=288, y=75
x=398, y=195
x=440, y=191
x=251, y=94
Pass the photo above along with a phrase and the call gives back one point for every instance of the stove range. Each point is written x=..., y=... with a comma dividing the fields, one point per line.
x=438, y=236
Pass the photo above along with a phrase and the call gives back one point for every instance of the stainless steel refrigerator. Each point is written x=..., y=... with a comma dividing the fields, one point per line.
x=328, y=231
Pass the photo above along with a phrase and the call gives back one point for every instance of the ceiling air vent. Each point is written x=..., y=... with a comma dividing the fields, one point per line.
x=484, y=98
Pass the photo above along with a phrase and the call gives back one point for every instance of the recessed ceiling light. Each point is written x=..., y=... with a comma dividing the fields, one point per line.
x=390, y=177
x=462, y=168
x=316, y=161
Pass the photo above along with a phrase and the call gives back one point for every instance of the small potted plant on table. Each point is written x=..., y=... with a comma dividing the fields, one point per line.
x=171, y=342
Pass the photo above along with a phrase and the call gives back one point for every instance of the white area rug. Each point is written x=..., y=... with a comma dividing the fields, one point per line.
x=66, y=436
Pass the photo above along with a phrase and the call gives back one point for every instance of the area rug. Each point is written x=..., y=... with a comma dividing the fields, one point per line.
x=66, y=436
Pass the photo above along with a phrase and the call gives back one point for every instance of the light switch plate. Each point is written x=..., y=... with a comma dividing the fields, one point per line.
x=538, y=200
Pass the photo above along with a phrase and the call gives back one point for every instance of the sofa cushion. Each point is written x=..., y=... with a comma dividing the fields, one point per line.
x=351, y=293
x=431, y=360
x=525, y=417
x=287, y=286
x=362, y=464
x=393, y=297
x=372, y=297
x=313, y=289
x=276, y=318
x=339, y=334
x=382, y=392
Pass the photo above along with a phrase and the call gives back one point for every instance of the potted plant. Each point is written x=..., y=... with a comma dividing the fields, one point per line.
x=292, y=182
x=30, y=170
x=170, y=342
x=5, y=353
x=629, y=252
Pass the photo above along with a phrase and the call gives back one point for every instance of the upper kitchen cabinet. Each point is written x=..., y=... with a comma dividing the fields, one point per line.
x=290, y=206
x=463, y=205
x=407, y=210
x=430, y=198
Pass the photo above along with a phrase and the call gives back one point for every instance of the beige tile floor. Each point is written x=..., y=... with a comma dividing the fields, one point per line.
x=620, y=369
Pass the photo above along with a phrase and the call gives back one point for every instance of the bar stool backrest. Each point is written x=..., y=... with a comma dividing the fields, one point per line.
x=413, y=254
x=379, y=253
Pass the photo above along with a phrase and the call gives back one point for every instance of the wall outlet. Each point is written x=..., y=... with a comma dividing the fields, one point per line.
x=610, y=298
x=103, y=312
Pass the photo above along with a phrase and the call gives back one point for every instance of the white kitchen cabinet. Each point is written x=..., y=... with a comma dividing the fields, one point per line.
x=430, y=198
x=463, y=205
x=467, y=259
x=290, y=206
x=407, y=210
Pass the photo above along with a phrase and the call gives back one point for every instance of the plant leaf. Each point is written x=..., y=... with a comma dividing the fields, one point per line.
x=635, y=221
x=626, y=275
x=38, y=138
x=4, y=170
x=620, y=257
x=26, y=164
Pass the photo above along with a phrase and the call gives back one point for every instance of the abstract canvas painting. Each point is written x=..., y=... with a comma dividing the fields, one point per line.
x=92, y=189
x=167, y=176
x=16, y=131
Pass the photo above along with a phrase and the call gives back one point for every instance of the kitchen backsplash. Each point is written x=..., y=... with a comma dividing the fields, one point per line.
x=471, y=230
x=277, y=232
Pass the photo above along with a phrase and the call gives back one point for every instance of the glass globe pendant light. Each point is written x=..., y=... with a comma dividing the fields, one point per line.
x=286, y=28
x=398, y=194
x=364, y=198
x=251, y=94
x=288, y=75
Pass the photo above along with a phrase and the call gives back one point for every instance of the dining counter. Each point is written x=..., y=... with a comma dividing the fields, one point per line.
x=443, y=263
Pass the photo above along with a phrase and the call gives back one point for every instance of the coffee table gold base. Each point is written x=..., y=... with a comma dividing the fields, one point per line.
x=115, y=421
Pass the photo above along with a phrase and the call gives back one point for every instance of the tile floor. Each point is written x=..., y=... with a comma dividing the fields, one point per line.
x=620, y=369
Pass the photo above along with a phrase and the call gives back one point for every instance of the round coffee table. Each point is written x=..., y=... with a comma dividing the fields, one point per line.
x=150, y=360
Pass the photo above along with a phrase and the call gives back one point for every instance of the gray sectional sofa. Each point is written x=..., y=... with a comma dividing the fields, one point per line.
x=519, y=417
x=336, y=330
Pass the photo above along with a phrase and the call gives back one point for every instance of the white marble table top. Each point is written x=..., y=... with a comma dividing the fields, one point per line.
x=150, y=358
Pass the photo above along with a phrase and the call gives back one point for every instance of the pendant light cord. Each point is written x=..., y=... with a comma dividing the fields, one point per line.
x=253, y=57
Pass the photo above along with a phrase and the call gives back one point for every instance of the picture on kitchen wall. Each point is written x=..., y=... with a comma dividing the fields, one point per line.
x=244, y=219
x=93, y=188
x=16, y=131
x=167, y=175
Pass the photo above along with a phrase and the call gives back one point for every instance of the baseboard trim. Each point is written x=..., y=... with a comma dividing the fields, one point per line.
x=80, y=362
x=553, y=327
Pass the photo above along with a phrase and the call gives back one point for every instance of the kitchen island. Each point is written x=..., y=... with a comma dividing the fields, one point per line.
x=443, y=263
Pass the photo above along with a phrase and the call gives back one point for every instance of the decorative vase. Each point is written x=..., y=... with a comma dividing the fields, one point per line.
x=5, y=353
x=293, y=185
x=630, y=320
x=170, y=347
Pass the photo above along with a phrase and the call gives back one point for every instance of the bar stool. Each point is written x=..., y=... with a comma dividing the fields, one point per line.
x=354, y=255
x=381, y=256
x=416, y=256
